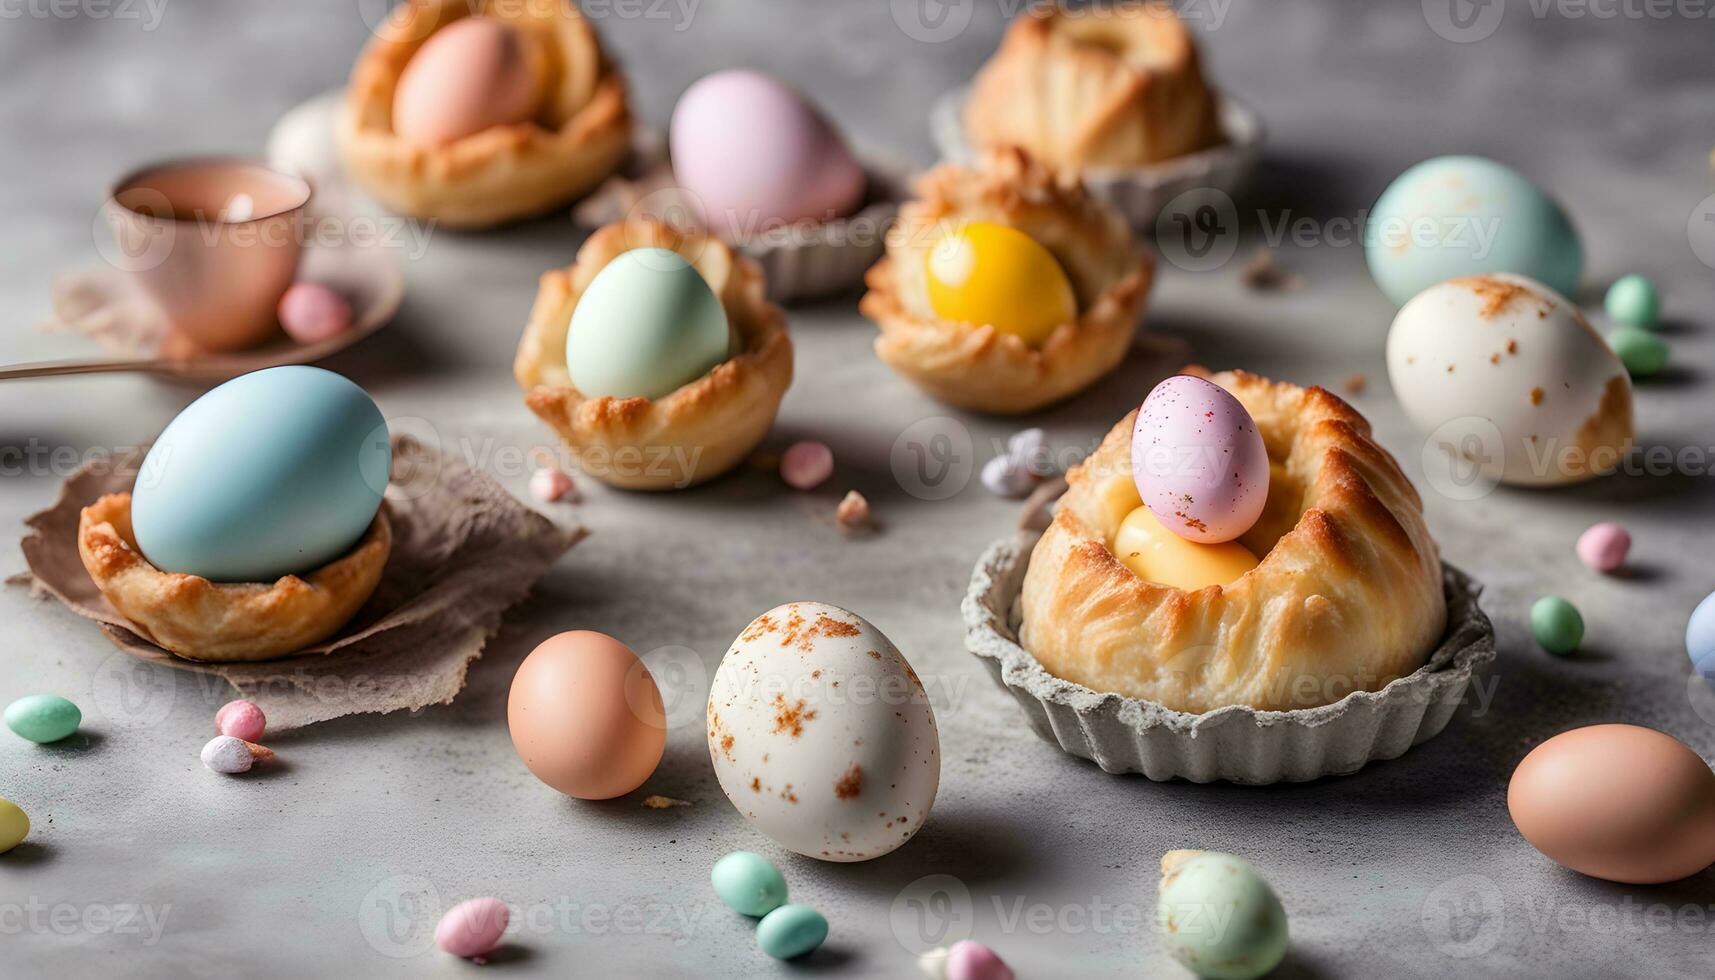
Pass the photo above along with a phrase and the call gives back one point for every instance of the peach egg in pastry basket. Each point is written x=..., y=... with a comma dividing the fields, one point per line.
x=477, y=112
x=1115, y=93
x=698, y=424
x=1335, y=638
x=1007, y=288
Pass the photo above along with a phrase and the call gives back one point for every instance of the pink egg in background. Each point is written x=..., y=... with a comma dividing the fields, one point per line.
x=311, y=312
x=971, y=960
x=473, y=928
x=806, y=465
x=241, y=719
x=1604, y=547
x=1199, y=461
x=756, y=156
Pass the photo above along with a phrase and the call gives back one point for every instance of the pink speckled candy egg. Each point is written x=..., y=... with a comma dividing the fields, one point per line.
x=1199, y=461
x=1604, y=546
x=241, y=719
x=971, y=960
x=756, y=156
x=473, y=928
x=311, y=312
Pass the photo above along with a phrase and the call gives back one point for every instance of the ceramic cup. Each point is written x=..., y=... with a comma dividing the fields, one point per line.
x=214, y=242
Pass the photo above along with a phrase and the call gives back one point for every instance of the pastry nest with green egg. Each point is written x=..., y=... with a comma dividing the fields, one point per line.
x=692, y=433
x=554, y=126
x=1347, y=595
x=1040, y=248
x=225, y=622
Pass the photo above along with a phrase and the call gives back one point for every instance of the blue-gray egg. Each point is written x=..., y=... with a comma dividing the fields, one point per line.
x=1218, y=917
x=270, y=474
x=1464, y=216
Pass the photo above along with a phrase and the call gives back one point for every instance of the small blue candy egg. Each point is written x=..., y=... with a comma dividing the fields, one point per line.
x=43, y=718
x=1700, y=638
x=270, y=474
x=749, y=883
x=791, y=930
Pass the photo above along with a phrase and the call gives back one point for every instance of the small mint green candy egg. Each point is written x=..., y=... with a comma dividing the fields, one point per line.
x=1643, y=353
x=1460, y=216
x=647, y=325
x=1632, y=301
x=791, y=930
x=14, y=825
x=749, y=883
x=1556, y=625
x=43, y=718
x=1218, y=917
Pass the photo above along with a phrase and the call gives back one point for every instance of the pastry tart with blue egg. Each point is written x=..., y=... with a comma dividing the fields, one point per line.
x=256, y=526
x=1235, y=541
x=655, y=356
x=474, y=113
x=1006, y=288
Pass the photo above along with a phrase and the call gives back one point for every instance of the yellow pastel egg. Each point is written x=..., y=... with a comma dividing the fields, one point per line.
x=990, y=274
x=1158, y=555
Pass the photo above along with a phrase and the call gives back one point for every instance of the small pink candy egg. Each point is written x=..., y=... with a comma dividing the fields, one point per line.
x=971, y=960
x=473, y=928
x=241, y=719
x=806, y=465
x=549, y=484
x=1199, y=461
x=311, y=312
x=1604, y=547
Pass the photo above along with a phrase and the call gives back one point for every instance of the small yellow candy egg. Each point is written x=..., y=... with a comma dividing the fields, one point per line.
x=1158, y=555
x=983, y=273
x=14, y=825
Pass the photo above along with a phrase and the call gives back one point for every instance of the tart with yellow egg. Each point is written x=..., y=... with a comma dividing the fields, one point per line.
x=1330, y=583
x=226, y=622
x=1006, y=288
x=478, y=113
x=655, y=356
x=1096, y=86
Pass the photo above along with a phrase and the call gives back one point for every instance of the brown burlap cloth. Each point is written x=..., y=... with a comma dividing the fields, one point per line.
x=464, y=551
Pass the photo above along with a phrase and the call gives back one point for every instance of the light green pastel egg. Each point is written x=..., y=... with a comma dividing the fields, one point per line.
x=749, y=883
x=1463, y=216
x=1218, y=917
x=43, y=717
x=14, y=825
x=1643, y=353
x=1632, y=301
x=647, y=325
x=791, y=930
x=1557, y=626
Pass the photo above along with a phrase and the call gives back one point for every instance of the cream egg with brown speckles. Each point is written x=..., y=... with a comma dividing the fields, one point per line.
x=822, y=735
x=1505, y=375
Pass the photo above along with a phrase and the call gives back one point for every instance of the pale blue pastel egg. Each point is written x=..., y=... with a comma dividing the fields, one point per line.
x=1700, y=638
x=749, y=883
x=791, y=930
x=1462, y=216
x=272, y=473
x=645, y=326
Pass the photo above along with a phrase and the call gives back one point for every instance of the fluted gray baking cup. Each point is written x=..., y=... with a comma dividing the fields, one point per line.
x=1238, y=743
x=1140, y=193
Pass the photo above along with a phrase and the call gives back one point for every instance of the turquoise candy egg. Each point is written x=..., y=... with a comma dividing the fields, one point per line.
x=791, y=930
x=43, y=717
x=1461, y=216
x=749, y=883
x=1218, y=917
x=273, y=473
x=647, y=325
x=1632, y=301
x=1700, y=638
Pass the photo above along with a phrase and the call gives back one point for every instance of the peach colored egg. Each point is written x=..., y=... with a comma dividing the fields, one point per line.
x=1620, y=802
x=586, y=716
x=473, y=928
x=471, y=75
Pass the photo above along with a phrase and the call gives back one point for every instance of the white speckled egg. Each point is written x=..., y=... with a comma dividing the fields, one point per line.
x=822, y=734
x=1505, y=372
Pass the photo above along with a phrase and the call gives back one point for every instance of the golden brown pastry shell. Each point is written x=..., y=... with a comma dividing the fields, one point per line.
x=225, y=622
x=1348, y=594
x=694, y=434
x=581, y=135
x=977, y=366
x=1097, y=87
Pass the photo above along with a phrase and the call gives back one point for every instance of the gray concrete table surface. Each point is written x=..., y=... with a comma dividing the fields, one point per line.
x=144, y=863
